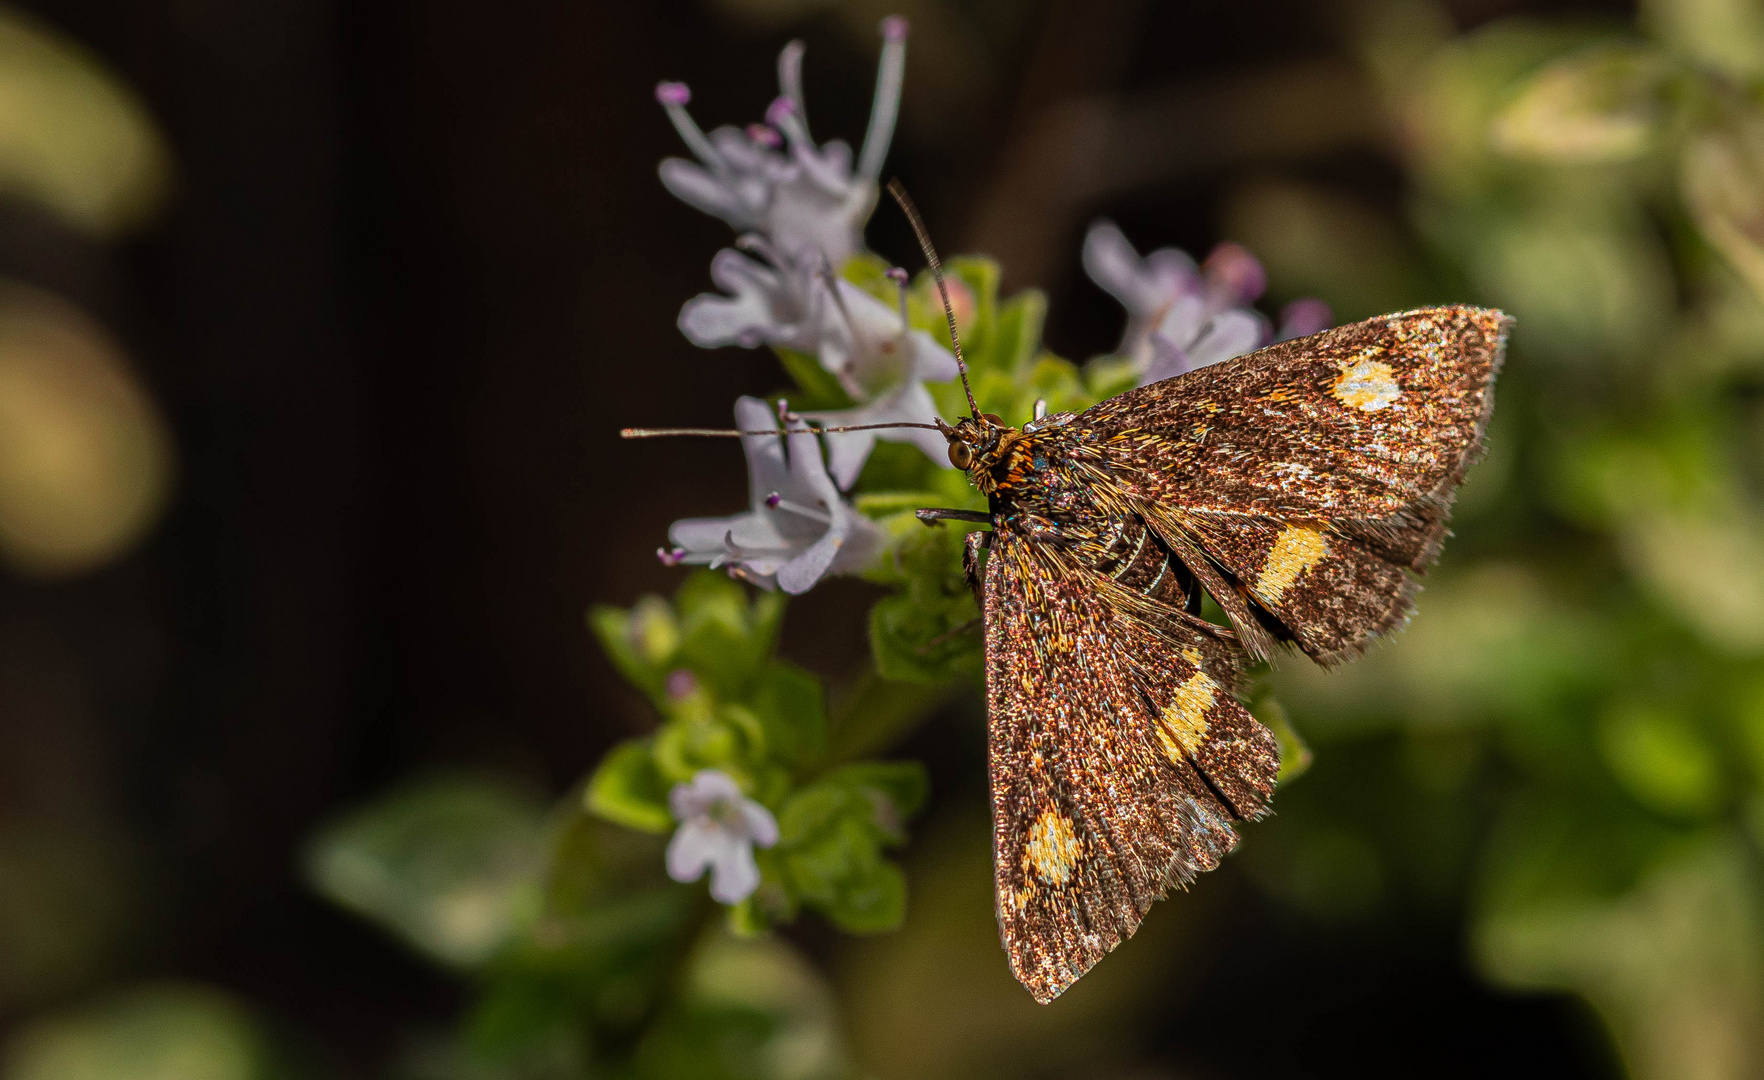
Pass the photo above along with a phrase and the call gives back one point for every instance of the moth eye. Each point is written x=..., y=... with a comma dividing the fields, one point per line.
x=961, y=455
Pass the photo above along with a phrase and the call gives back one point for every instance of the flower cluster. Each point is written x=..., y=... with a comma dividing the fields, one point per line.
x=800, y=209
x=1181, y=317
x=745, y=769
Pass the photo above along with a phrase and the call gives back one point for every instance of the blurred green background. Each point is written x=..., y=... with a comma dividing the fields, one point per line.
x=316, y=327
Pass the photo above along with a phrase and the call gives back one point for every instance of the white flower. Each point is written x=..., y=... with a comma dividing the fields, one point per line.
x=718, y=830
x=773, y=179
x=797, y=529
x=798, y=303
x=1179, y=317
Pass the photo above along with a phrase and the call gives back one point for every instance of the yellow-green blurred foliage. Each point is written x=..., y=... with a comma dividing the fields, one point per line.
x=1589, y=660
x=85, y=460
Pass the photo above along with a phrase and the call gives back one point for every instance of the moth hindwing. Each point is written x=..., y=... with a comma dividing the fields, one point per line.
x=1300, y=486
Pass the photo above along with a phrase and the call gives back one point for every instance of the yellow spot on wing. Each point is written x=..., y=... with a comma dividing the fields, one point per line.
x=1296, y=550
x=1052, y=851
x=1367, y=385
x=1184, y=720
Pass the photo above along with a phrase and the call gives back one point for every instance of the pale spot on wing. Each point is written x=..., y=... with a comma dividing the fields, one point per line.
x=1052, y=851
x=1184, y=725
x=1367, y=385
x=1296, y=550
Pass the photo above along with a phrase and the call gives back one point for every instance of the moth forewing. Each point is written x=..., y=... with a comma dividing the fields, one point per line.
x=1300, y=486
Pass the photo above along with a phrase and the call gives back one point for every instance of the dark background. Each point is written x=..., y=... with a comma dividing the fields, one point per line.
x=417, y=271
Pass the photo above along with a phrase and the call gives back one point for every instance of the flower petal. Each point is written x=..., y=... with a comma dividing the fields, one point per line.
x=762, y=827
x=734, y=874
x=695, y=846
x=1167, y=361
x=711, y=321
x=847, y=450
x=714, y=785
x=1110, y=260
x=767, y=469
x=1230, y=333
x=694, y=185
x=800, y=574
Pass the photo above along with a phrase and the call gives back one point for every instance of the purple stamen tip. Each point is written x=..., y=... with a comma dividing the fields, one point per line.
x=896, y=274
x=672, y=93
x=774, y=499
x=671, y=558
x=783, y=409
x=894, y=28
x=780, y=110
x=765, y=136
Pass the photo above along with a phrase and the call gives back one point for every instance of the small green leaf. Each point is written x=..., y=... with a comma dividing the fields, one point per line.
x=726, y=637
x=683, y=747
x=873, y=902
x=819, y=387
x=639, y=642
x=1295, y=756
x=628, y=790
x=1020, y=321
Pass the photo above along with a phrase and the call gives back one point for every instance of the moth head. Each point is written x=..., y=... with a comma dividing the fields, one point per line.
x=970, y=438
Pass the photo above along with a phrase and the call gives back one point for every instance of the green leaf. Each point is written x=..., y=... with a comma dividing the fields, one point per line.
x=451, y=864
x=1018, y=337
x=725, y=637
x=628, y=790
x=820, y=388
x=872, y=902
x=792, y=707
x=898, y=467
x=1295, y=756
x=1604, y=104
x=640, y=642
x=684, y=746
x=904, y=640
x=905, y=785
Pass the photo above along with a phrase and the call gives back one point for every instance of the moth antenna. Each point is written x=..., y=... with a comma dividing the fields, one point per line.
x=918, y=223
x=732, y=433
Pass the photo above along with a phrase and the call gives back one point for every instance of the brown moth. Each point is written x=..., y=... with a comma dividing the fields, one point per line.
x=1301, y=487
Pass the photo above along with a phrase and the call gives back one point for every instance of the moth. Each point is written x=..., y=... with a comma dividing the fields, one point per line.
x=1302, y=487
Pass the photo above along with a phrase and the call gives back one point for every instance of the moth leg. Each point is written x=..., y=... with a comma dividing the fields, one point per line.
x=934, y=515
x=972, y=546
x=925, y=649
